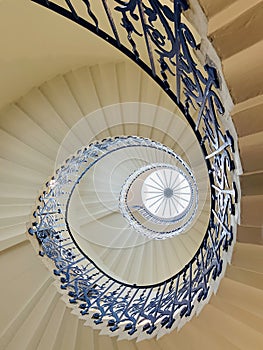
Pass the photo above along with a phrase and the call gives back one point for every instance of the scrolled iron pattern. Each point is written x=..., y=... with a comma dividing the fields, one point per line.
x=124, y=307
x=171, y=62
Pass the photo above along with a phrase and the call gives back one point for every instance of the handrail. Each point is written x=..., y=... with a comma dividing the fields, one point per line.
x=171, y=61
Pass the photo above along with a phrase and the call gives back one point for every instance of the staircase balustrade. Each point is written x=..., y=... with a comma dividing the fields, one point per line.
x=155, y=36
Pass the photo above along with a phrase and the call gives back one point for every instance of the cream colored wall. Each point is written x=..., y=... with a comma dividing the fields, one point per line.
x=37, y=44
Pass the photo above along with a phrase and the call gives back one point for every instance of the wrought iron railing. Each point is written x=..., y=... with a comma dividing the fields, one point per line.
x=154, y=36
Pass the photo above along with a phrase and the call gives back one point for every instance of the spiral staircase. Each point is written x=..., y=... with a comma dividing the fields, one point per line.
x=72, y=89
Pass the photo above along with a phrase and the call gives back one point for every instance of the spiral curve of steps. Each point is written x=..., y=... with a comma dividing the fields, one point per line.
x=33, y=316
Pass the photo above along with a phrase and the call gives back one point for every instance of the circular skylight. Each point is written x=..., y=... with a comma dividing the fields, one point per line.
x=160, y=200
x=166, y=193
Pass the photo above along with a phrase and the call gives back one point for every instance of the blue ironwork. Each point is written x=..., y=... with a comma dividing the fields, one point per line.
x=171, y=62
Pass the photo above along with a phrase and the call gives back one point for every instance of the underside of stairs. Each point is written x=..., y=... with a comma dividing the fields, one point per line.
x=39, y=130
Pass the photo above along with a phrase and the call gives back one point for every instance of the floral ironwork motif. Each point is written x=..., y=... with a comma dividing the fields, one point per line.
x=171, y=61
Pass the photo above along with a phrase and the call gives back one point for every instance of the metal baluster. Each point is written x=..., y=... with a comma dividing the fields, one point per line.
x=74, y=13
x=133, y=330
x=148, y=46
x=112, y=24
x=126, y=308
x=177, y=20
